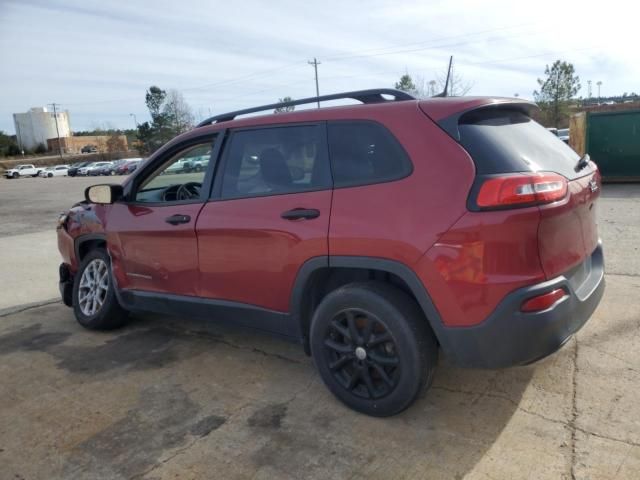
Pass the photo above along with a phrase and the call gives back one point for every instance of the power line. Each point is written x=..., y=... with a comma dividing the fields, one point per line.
x=229, y=81
x=377, y=51
x=513, y=59
x=337, y=58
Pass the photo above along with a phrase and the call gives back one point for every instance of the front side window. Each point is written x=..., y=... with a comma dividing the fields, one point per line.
x=177, y=179
x=364, y=153
x=274, y=161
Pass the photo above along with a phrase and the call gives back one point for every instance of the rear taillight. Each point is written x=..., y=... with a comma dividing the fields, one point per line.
x=521, y=189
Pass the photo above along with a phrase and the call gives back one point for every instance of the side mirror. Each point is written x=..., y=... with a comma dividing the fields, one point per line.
x=103, y=194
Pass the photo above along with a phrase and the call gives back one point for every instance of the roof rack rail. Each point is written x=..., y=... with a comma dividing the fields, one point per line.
x=364, y=96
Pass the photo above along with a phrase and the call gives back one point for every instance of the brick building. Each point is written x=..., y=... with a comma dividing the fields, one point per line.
x=75, y=144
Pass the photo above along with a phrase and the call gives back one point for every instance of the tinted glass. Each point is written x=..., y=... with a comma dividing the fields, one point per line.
x=503, y=141
x=272, y=161
x=365, y=152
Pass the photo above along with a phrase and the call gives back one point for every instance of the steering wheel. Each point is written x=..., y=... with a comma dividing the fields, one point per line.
x=188, y=191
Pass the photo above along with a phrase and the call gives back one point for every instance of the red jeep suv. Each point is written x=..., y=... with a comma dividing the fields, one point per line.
x=374, y=234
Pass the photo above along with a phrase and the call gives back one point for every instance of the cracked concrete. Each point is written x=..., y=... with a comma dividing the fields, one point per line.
x=181, y=398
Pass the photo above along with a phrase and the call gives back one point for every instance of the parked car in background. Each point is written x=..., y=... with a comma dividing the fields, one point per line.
x=99, y=168
x=73, y=169
x=198, y=163
x=128, y=166
x=108, y=169
x=181, y=166
x=44, y=173
x=92, y=168
x=374, y=235
x=56, y=171
x=563, y=134
x=89, y=149
x=26, y=170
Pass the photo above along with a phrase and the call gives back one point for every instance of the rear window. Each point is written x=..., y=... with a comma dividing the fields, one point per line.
x=505, y=141
x=365, y=152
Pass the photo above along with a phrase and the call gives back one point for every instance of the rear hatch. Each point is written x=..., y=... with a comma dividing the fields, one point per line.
x=505, y=142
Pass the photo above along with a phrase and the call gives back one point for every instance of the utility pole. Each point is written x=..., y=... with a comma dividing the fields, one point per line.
x=55, y=116
x=588, y=88
x=134, y=119
x=599, y=84
x=315, y=64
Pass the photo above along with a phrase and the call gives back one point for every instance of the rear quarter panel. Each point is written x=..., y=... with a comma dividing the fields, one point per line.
x=400, y=220
x=482, y=258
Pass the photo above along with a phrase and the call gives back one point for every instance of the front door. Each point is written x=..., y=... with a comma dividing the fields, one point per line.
x=151, y=235
x=268, y=215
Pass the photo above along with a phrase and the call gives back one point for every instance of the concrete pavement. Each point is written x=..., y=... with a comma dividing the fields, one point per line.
x=178, y=398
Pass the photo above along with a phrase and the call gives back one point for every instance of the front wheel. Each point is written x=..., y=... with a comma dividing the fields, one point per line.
x=373, y=347
x=15, y=175
x=94, y=301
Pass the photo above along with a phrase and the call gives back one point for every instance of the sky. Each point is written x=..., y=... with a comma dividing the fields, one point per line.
x=97, y=58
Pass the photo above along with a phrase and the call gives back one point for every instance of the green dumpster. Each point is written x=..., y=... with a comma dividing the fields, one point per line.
x=613, y=142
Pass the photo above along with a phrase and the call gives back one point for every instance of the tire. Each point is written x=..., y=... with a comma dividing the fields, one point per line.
x=110, y=314
x=50, y=175
x=15, y=175
x=402, y=346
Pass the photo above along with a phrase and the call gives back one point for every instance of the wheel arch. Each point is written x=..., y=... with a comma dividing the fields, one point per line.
x=85, y=243
x=320, y=275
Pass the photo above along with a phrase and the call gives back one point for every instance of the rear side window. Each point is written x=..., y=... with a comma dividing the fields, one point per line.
x=272, y=161
x=506, y=141
x=365, y=152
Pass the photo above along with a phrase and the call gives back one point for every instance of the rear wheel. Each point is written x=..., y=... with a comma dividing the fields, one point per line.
x=372, y=347
x=94, y=301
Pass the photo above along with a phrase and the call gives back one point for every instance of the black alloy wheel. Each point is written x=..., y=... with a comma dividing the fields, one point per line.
x=361, y=354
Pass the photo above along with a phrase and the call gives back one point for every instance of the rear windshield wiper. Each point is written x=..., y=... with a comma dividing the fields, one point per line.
x=583, y=162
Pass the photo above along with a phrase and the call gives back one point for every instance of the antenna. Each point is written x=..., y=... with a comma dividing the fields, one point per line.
x=446, y=83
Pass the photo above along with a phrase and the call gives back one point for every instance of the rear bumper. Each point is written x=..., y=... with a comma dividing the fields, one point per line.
x=510, y=337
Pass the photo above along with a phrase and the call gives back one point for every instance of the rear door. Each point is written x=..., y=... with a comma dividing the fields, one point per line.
x=269, y=214
x=504, y=140
x=151, y=235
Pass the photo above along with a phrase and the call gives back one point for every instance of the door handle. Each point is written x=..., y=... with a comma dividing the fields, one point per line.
x=300, y=213
x=178, y=219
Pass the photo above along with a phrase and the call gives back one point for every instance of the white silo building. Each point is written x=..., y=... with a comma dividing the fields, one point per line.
x=38, y=124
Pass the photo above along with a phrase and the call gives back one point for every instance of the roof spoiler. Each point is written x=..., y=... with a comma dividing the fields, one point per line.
x=450, y=124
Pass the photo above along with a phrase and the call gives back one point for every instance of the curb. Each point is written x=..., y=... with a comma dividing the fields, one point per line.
x=27, y=306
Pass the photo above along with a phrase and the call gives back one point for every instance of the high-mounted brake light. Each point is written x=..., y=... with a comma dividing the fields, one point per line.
x=522, y=189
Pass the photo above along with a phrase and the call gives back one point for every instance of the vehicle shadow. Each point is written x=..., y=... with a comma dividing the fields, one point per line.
x=292, y=427
x=238, y=403
x=229, y=400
